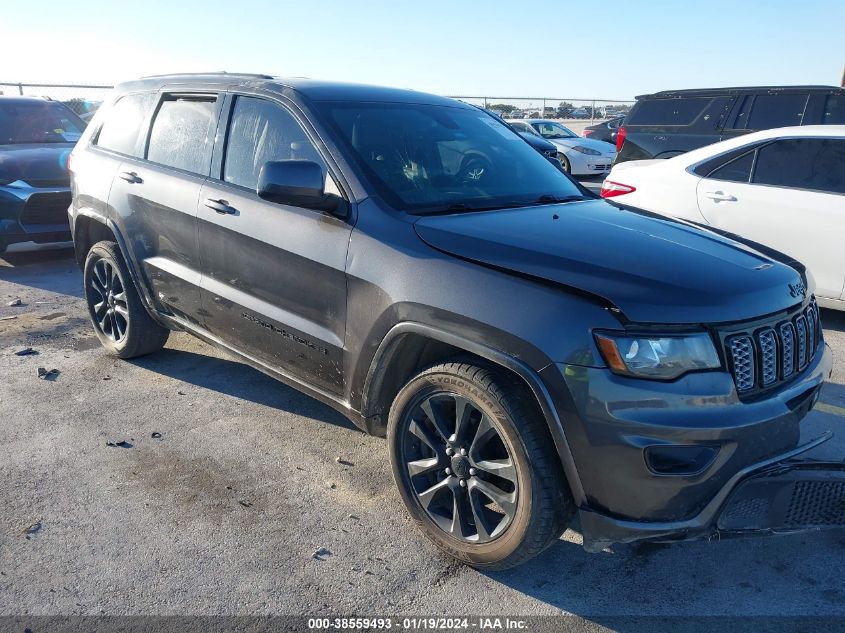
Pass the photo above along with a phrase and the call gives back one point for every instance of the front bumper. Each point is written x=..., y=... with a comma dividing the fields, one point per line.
x=585, y=164
x=30, y=214
x=613, y=423
x=781, y=495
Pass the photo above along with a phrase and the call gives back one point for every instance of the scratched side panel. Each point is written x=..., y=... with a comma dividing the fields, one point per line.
x=274, y=284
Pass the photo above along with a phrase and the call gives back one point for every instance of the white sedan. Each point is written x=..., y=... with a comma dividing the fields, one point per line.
x=784, y=188
x=579, y=156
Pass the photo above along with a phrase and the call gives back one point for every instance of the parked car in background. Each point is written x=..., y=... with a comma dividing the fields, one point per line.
x=36, y=136
x=604, y=131
x=579, y=156
x=669, y=123
x=546, y=148
x=784, y=188
x=581, y=113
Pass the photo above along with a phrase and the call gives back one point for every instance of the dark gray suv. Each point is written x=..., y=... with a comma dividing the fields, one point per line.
x=530, y=353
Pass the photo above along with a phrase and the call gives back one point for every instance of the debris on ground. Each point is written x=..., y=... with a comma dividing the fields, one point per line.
x=32, y=529
x=321, y=553
x=14, y=303
x=331, y=484
x=155, y=435
x=245, y=503
x=120, y=444
x=353, y=517
x=8, y=318
x=181, y=393
x=26, y=351
x=45, y=374
x=106, y=377
x=343, y=462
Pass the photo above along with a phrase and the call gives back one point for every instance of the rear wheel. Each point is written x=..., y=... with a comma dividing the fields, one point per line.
x=120, y=320
x=476, y=467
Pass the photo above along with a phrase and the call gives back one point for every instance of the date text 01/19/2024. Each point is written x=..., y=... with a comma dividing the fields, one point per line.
x=419, y=623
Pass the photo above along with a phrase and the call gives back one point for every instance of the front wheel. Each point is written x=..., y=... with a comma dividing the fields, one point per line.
x=475, y=466
x=564, y=162
x=120, y=320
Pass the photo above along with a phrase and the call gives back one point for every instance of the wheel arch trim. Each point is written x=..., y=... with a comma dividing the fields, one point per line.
x=388, y=347
x=122, y=245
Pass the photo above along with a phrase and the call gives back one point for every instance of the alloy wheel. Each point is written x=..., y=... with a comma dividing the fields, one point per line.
x=107, y=297
x=459, y=467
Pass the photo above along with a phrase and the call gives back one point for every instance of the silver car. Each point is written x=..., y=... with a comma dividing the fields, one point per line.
x=579, y=156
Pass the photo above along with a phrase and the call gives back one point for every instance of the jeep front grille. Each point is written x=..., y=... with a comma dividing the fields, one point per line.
x=772, y=353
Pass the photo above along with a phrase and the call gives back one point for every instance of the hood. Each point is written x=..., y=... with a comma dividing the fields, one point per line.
x=538, y=142
x=37, y=165
x=599, y=146
x=655, y=270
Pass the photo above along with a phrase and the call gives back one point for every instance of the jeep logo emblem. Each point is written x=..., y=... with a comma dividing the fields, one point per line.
x=797, y=290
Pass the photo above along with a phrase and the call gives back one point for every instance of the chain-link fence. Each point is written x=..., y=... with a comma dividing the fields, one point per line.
x=573, y=112
x=84, y=99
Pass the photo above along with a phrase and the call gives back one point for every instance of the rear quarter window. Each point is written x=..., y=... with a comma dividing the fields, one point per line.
x=667, y=112
x=121, y=129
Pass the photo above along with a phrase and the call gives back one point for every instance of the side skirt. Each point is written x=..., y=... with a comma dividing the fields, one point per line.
x=336, y=403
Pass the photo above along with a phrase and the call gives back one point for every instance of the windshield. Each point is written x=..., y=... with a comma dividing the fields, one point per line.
x=549, y=129
x=523, y=128
x=432, y=159
x=38, y=122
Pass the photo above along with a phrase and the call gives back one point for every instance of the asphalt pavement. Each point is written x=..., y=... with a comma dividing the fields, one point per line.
x=222, y=484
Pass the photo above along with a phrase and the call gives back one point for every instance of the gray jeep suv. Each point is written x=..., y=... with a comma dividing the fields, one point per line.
x=530, y=353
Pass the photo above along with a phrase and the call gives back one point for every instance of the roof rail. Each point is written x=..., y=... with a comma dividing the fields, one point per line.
x=213, y=72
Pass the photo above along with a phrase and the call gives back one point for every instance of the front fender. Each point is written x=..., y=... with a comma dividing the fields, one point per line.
x=391, y=345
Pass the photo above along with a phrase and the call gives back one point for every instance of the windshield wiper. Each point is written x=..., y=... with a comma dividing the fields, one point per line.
x=459, y=207
x=548, y=198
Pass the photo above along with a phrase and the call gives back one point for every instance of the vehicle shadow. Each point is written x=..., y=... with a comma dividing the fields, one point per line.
x=833, y=320
x=235, y=379
x=43, y=270
x=628, y=587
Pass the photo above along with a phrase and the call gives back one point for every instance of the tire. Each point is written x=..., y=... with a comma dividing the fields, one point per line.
x=120, y=320
x=532, y=503
x=564, y=162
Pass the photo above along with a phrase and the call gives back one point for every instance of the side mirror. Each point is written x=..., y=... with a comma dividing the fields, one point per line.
x=299, y=183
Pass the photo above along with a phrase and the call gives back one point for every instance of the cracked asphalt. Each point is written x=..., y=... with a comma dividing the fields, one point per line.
x=222, y=514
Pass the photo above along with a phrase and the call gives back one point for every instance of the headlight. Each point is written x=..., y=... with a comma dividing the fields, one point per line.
x=586, y=150
x=657, y=356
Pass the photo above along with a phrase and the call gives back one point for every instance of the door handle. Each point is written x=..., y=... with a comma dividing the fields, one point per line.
x=131, y=177
x=720, y=196
x=220, y=206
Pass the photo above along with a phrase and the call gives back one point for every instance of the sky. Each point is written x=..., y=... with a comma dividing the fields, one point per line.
x=535, y=48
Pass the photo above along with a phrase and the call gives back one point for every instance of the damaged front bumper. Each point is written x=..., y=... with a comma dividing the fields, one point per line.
x=780, y=495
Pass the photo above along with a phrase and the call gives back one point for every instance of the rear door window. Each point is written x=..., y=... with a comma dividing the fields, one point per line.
x=668, y=112
x=181, y=133
x=782, y=110
x=807, y=163
x=121, y=130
